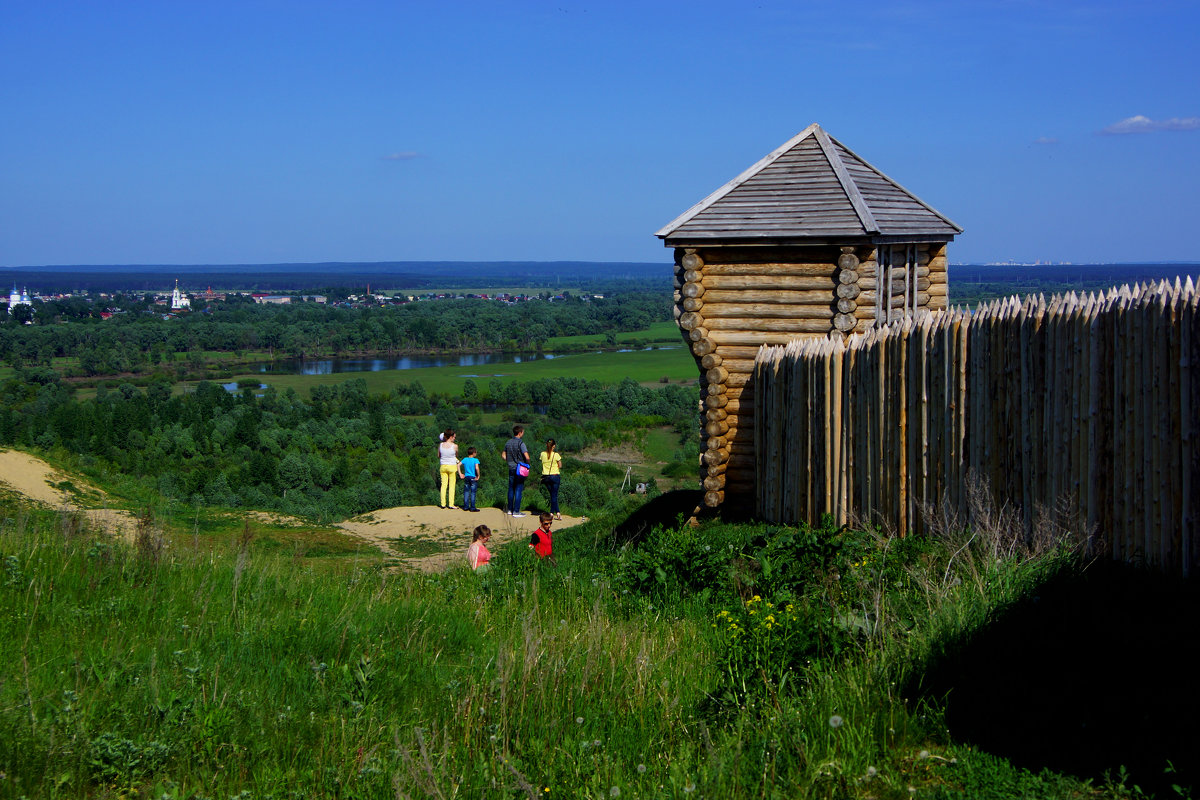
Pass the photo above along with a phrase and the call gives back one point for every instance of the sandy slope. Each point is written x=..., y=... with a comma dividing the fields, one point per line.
x=421, y=537
x=36, y=479
x=399, y=530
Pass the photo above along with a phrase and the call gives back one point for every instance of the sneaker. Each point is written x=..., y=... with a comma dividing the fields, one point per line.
x=472, y=509
x=518, y=514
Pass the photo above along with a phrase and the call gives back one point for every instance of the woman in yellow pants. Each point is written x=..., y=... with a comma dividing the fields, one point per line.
x=448, y=468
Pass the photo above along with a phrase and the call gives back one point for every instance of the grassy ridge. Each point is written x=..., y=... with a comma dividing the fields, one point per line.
x=237, y=673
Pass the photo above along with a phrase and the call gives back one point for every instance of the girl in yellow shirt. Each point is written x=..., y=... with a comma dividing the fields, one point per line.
x=552, y=475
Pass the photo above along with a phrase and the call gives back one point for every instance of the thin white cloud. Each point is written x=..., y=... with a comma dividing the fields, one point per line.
x=1045, y=140
x=1140, y=124
x=406, y=155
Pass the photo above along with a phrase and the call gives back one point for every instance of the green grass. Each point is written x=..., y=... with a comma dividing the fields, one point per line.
x=660, y=444
x=657, y=333
x=644, y=366
x=238, y=671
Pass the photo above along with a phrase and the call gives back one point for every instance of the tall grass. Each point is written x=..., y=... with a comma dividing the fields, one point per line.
x=240, y=674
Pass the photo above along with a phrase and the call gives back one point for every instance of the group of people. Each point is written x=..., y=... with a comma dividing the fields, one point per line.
x=469, y=469
x=542, y=542
x=515, y=455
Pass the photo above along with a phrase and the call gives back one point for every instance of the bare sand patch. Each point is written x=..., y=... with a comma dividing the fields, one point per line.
x=40, y=482
x=620, y=454
x=430, y=539
x=274, y=518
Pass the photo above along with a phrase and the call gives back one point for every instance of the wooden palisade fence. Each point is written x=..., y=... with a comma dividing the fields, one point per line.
x=1085, y=405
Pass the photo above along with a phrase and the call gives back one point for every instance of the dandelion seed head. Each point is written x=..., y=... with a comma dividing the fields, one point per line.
x=614, y=791
x=641, y=767
x=924, y=754
x=835, y=721
x=579, y=720
x=871, y=772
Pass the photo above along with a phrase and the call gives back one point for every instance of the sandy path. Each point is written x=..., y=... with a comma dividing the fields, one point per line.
x=430, y=539
x=37, y=480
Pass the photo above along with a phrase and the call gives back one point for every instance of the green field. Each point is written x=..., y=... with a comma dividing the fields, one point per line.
x=644, y=366
x=658, y=333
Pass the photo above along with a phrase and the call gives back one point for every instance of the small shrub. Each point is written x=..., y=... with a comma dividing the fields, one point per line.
x=680, y=469
x=148, y=539
x=114, y=757
x=764, y=644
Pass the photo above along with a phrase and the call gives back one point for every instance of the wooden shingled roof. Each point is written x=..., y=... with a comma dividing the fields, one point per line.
x=812, y=189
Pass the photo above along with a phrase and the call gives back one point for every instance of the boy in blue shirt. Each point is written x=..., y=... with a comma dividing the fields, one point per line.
x=470, y=473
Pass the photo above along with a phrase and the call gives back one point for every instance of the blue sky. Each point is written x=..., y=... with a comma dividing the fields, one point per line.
x=179, y=132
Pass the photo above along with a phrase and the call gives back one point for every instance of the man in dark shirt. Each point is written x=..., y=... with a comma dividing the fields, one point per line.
x=515, y=453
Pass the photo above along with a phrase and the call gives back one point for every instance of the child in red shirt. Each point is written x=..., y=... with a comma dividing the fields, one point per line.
x=541, y=541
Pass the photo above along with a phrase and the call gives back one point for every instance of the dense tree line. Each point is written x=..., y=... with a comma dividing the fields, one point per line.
x=137, y=341
x=340, y=453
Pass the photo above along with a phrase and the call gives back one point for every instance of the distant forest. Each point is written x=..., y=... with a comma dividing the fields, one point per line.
x=341, y=452
x=139, y=341
x=382, y=275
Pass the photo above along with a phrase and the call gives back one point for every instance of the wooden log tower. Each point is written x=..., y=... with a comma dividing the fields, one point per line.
x=810, y=241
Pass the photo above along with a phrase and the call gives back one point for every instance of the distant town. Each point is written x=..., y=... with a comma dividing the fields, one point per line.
x=180, y=301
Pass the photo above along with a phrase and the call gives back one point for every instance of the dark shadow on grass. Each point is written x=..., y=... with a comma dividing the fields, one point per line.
x=666, y=510
x=1096, y=672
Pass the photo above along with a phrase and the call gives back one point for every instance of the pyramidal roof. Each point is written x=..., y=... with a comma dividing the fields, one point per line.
x=810, y=189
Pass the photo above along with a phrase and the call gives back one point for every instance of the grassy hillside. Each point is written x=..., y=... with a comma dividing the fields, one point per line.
x=729, y=660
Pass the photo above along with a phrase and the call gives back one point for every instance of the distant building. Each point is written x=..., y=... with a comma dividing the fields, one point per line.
x=179, y=300
x=272, y=299
x=16, y=298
